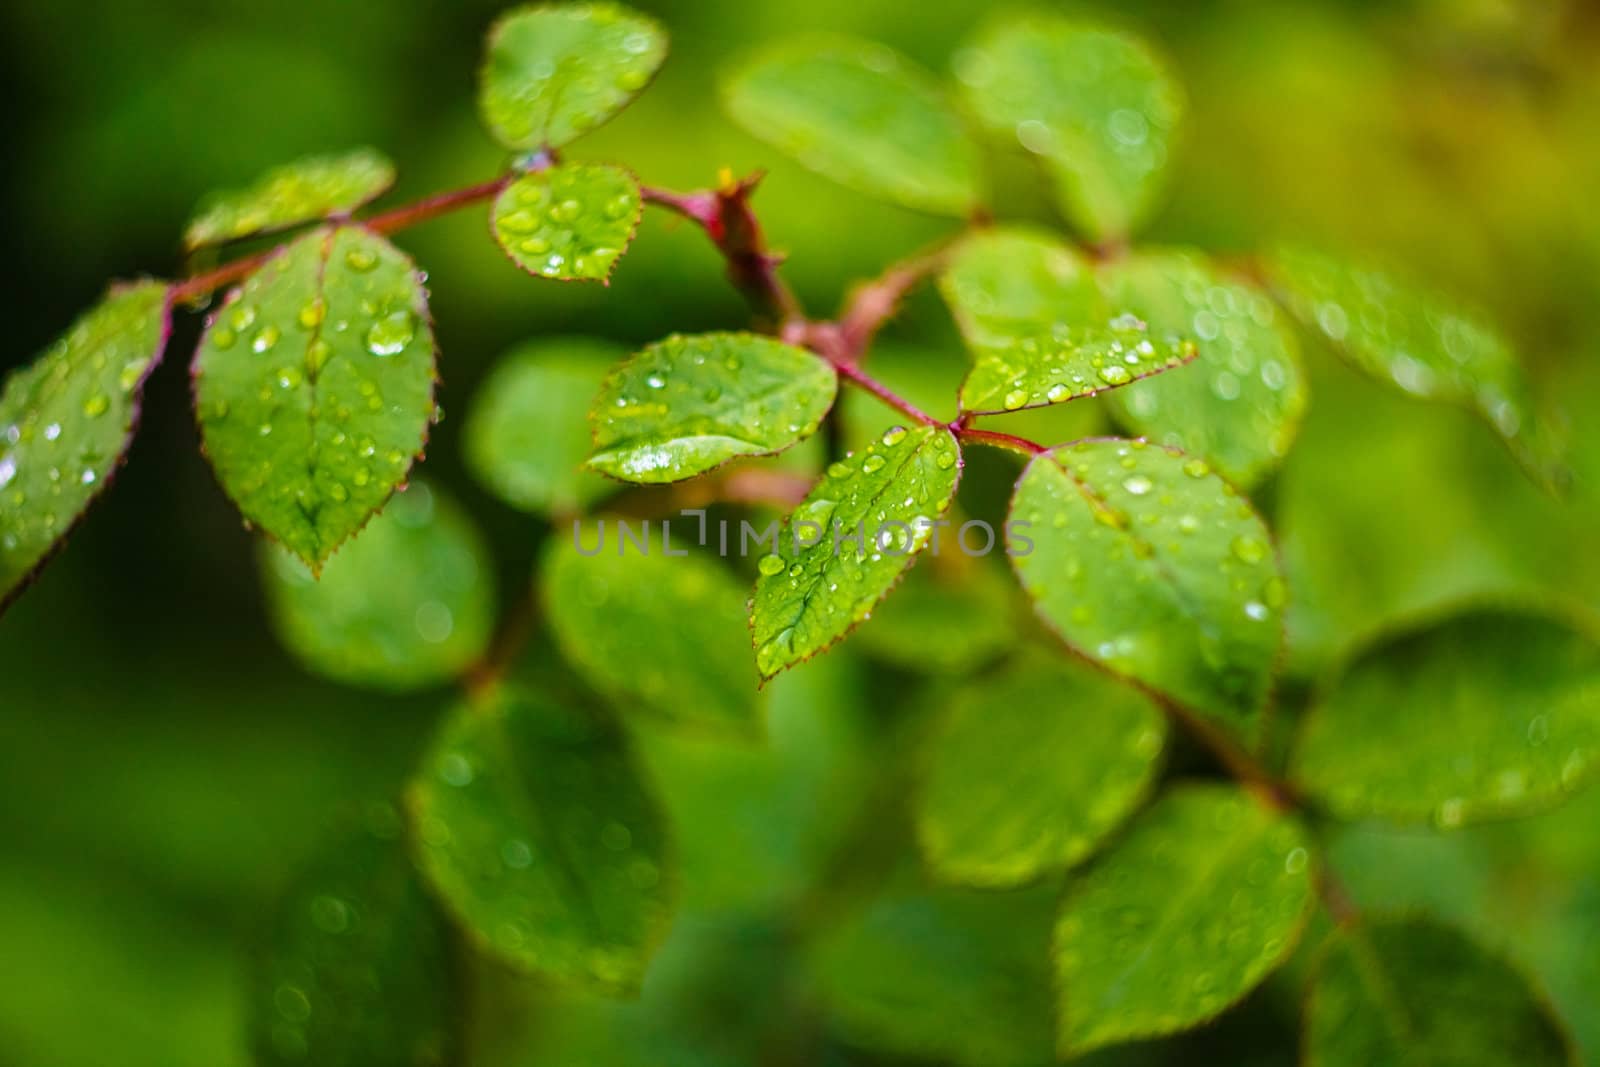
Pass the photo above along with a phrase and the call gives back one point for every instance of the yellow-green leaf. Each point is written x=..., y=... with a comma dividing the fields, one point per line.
x=554, y=72
x=861, y=114
x=571, y=221
x=311, y=188
x=66, y=421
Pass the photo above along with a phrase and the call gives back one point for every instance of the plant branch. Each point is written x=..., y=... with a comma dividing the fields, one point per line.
x=973, y=435
x=429, y=207
x=874, y=303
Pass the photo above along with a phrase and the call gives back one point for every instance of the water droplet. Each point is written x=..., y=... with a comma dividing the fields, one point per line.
x=265, y=338
x=390, y=335
x=1015, y=399
x=222, y=338
x=96, y=405
x=770, y=565
x=519, y=222
x=1138, y=485
x=1197, y=468
x=360, y=260
x=312, y=314
x=1115, y=375
x=1248, y=549
x=872, y=464
x=944, y=461
x=893, y=436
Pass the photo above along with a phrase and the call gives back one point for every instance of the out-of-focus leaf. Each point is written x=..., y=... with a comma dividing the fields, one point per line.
x=691, y=403
x=314, y=387
x=1040, y=328
x=357, y=969
x=526, y=437
x=861, y=114
x=570, y=221
x=307, y=189
x=658, y=633
x=1418, y=341
x=409, y=603
x=1409, y=991
x=1031, y=769
x=1240, y=405
x=949, y=617
x=1146, y=561
x=66, y=422
x=845, y=546
x=1486, y=714
x=1094, y=105
x=1204, y=896
x=556, y=71
x=535, y=827
x=943, y=974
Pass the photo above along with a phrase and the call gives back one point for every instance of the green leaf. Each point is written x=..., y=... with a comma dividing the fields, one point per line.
x=526, y=436
x=535, y=827
x=1412, y=992
x=1240, y=405
x=950, y=618
x=861, y=114
x=314, y=387
x=1146, y=562
x=943, y=975
x=1032, y=769
x=1501, y=717
x=1418, y=341
x=688, y=404
x=1096, y=107
x=408, y=604
x=845, y=546
x=307, y=189
x=1205, y=896
x=66, y=421
x=571, y=221
x=1040, y=329
x=555, y=72
x=663, y=634
x=358, y=968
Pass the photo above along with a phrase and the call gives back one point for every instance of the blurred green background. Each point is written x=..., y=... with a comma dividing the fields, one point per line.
x=164, y=766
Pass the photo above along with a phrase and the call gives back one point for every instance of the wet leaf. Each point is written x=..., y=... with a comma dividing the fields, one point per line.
x=688, y=404
x=358, y=968
x=1031, y=769
x=408, y=604
x=570, y=221
x=949, y=617
x=845, y=546
x=303, y=191
x=861, y=114
x=1203, y=897
x=1240, y=405
x=1410, y=991
x=1501, y=716
x=943, y=974
x=657, y=633
x=526, y=437
x=1150, y=564
x=1418, y=341
x=314, y=387
x=1096, y=107
x=66, y=421
x=554, y=72
x=535, y=827
x=1040, y=329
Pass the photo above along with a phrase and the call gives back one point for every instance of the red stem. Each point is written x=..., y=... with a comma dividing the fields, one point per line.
x=429, y=207
x=999, y=440
x=851, y=373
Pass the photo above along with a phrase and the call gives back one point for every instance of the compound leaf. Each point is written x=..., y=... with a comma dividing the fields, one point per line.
x=662, y=633
x=66, y=422
x=1412, y=992
x=1419, y=342
x=536, y=828
x=1095, y=105
x=860, y=114
x=688, y=404
x=555, y=72
x=307, y=189
x=1240, y=405
x=943, y=974
x=845, y=546
x=314, y=387
x=1147, y=562
x=1501, y=717
x=1205, y=896
x=1031, y=769
x=1040, y=329
x=571, y=221
x=526, y=437
x=358, y=970
x=407, y=604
